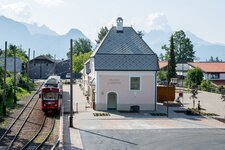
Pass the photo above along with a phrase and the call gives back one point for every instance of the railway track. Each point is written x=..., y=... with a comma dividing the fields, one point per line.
x=39, y=139
x=30, y=129
x=11, y=134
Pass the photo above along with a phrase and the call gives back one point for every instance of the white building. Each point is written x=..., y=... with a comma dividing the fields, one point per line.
x=122, y=71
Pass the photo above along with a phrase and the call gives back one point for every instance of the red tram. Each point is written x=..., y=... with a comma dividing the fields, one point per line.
x=51, y=94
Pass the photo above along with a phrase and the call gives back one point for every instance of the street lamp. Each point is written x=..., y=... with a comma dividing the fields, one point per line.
x=71, y=83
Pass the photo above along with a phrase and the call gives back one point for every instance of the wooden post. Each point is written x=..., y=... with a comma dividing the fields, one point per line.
x=14, y=92
x=28, y=67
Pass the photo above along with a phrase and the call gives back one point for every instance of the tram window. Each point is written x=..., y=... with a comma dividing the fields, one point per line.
x=50, y=96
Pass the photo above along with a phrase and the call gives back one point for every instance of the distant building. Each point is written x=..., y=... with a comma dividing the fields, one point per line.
x=181, y=68
x=212, y=71
x=62, y=68
x=41, y=67
x=10, y=64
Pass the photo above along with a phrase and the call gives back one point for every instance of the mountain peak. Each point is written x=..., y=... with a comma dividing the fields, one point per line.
x=75, y=33
x=34, y=29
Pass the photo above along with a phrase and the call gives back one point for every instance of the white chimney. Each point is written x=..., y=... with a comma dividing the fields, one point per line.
x=119, y=26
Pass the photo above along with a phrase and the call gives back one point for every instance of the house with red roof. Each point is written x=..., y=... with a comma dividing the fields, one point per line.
x=213, y=71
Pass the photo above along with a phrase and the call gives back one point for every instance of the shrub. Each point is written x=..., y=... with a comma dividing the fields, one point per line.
x=162, y=75
x=1, y=93
x=208, y=86
x=194, y=77
x=9, y=85
x=221, y=89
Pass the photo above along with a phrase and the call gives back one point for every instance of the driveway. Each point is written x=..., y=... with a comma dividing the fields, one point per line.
x=209, y=101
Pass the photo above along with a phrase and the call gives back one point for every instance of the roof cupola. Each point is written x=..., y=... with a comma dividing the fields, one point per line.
x=119, y=26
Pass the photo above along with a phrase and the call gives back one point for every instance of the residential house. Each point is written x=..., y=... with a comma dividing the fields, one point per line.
x=212, y=71
x=123, y=71
x=181, y=70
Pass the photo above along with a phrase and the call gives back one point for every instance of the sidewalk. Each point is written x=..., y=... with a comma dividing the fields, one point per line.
x=71, y=136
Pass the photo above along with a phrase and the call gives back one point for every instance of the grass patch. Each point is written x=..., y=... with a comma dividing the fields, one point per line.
x=10, y=99
x=101, y=114
x=158, y=114
x=180, y=111
x=21, y=92
x=196, y=112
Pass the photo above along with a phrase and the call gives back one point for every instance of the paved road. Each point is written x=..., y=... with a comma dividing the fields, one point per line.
x=171, y=139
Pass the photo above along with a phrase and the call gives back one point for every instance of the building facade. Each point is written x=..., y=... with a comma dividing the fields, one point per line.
x=212, y=71
x=10, y=64
x=41, y=67
x=122, y=71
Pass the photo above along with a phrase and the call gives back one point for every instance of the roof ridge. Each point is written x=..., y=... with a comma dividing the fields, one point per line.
x=143, y=40
x=97, y=48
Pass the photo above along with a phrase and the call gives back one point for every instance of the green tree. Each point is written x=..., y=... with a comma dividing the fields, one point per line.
x=79, y=60
x=48, y=55
x=103, y=31
x=206, y=85
x=194, y=77
x=161, y=75
x=217, y=59
x=183, y=48
x=81, y=46
x=171, y=61
x=161, y=57
x=211, y=59
x=20, y=53
x=140, y=33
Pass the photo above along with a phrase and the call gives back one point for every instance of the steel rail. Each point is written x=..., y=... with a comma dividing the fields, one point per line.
x=21, y=112
x=53, y=125
x=21, y=127
x=42, y=125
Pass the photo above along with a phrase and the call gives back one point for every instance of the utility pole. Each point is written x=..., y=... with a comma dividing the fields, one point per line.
x=167, y=91
x=54, y=71
x=28, y=67
x=4, y=84
x=71, y=83
x=14, y=53
x=33, y=63
x=33, y=57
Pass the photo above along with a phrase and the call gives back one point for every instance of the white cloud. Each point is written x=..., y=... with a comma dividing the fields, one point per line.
x=158, y=21
x=19, y=11
x=49, y=3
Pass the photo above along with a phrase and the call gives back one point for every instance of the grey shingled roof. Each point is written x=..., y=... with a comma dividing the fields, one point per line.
x=124, y=51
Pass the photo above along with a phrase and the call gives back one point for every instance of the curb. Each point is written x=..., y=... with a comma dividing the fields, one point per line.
x=61, y=140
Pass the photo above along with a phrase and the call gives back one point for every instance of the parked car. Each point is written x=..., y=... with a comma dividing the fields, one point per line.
x=68, y=76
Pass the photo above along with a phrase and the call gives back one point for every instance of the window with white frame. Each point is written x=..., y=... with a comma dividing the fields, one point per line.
x=215, y=75
x=135, y=83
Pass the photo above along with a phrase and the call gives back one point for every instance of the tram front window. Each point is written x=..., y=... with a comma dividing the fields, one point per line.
x=50, y=96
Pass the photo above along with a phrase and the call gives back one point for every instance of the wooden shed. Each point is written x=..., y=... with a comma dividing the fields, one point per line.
x=165, y=92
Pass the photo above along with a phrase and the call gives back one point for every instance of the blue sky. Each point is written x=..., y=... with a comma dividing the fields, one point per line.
x=205, y=18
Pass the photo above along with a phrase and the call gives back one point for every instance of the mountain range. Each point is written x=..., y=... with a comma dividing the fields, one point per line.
x=41, y=39
x=44, y=40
